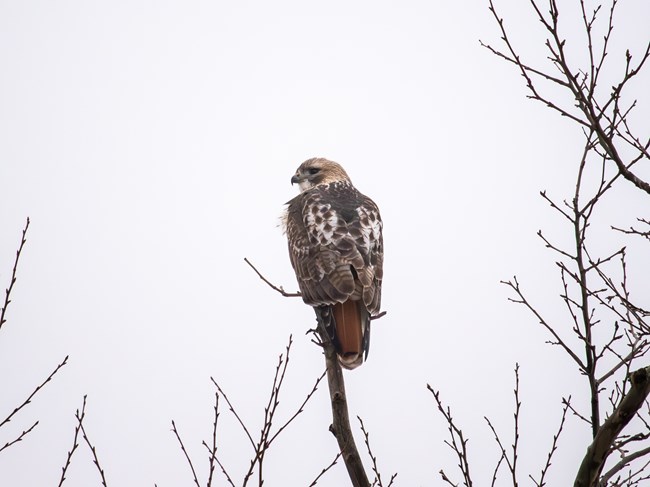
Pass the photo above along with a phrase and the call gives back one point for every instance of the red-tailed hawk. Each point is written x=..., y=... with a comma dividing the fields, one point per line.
x=336, y=250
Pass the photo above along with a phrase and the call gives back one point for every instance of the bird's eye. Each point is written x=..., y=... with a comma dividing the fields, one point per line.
x=313, y=170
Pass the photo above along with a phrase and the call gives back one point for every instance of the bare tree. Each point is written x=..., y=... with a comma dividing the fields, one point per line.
x=609, y=335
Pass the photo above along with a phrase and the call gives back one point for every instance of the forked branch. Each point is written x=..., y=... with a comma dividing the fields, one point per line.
x=457, y=442
x=597, y=453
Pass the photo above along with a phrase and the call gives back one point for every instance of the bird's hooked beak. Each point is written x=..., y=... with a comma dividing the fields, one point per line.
x=303, y=179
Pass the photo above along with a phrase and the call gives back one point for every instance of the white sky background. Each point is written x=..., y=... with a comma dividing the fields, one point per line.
x=152, y=143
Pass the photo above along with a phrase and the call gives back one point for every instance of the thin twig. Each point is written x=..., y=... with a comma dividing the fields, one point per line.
x=504, y=454
x=444, y=477
x=75, y=443
x=515, y=444
x=20, y=437
x=373, y=458
x=496, y=469
x=13, y=276
x=187, y=456
x=324, y=471
x=522, y=300
x=556, y=436
x=213, y=450
x=216, y=459
x=300, y=409
x=457, y=442
x=94, y=452
x=623, y=463
x=34, y=392
x=232, y=410
x=269, y=412
x=272, y=286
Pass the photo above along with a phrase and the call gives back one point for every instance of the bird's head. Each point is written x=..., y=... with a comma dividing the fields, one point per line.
x=317, y=171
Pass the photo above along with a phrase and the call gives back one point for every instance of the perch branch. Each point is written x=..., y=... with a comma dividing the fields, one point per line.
x=340, y=426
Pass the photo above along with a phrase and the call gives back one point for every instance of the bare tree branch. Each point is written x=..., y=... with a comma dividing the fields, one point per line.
x=213, y=450
x=512, y=464
x=300, y=408
x=634, y=231
x=600, y=448
x=213, y=458
x=514, y=285
x=34, y=392
x=556, y=437
x=583, y=91
x=271, y=285
x=20, y=437
x=187, y=456
x=232, y=410
x=326, y=469
x=373, y=458
x=3, y=310
x=75, y=443
x=457, y=442
x=93, y=451
x=623, y=463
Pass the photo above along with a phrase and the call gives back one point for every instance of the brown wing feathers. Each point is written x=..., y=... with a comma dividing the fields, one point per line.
x=336, y=249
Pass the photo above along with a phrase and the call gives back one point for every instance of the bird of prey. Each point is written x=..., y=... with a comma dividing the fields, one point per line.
x=336, y=249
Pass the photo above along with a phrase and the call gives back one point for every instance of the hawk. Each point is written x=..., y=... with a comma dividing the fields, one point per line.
x=336, y=249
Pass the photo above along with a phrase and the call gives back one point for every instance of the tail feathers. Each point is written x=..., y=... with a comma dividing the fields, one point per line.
x=348, y=326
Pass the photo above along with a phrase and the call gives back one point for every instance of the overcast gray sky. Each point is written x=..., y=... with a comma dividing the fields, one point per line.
x=152, y=144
